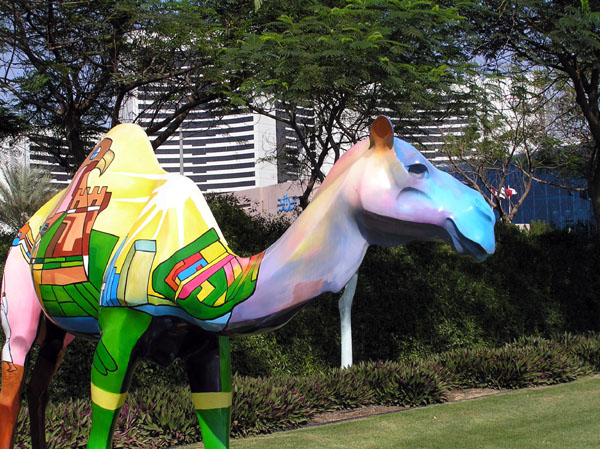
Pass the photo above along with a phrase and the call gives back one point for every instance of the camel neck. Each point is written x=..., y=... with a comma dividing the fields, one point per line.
x=320, y=252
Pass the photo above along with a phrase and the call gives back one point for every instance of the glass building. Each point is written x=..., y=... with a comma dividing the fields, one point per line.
x=559, y=207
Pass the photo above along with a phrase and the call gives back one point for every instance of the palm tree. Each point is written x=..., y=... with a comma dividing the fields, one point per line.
x=23, y=190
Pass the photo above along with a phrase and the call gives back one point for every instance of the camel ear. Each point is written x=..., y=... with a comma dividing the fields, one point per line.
x=382, y=134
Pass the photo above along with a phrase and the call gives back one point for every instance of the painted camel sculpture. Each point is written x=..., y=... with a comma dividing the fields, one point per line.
x=132, y=255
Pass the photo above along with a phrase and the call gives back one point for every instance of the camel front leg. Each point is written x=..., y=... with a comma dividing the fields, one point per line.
x=12, y=379
x=20, y=313
x=209, y=374
x=121, y=329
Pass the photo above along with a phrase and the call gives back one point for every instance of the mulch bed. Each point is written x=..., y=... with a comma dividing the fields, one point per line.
x=346, y=415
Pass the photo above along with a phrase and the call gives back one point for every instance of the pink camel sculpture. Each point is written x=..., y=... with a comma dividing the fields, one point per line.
x=132, y=255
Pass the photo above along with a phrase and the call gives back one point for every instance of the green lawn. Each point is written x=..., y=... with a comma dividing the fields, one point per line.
x=564, y=416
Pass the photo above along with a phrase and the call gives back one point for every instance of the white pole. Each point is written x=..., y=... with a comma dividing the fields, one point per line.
x=181, y=149
x=345, y=306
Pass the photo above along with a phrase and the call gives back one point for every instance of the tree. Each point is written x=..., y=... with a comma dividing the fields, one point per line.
x=326, y=69
x=508, y=140
x=69, y=67
x=23, y=191
x=562, y=36
x=11, y=125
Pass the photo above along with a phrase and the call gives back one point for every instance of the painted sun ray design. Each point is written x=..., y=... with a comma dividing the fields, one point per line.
x=141, y=199
x=180, y=224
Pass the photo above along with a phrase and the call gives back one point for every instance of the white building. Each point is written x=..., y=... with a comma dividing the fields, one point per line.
x=235, y=152
x=220, y=154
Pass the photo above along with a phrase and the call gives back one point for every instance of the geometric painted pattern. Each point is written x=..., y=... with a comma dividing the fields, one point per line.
x=205, y=279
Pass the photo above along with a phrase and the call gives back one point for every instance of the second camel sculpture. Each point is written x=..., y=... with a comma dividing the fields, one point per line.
x=132, y=255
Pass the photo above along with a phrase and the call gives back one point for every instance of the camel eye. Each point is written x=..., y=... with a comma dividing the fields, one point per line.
x=418, y=170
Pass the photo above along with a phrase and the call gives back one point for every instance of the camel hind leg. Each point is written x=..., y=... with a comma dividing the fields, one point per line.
x=209, y=374
x=54, y=342
x=20, y=316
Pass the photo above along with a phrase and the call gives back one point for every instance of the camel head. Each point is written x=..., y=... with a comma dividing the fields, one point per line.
x=402, y=197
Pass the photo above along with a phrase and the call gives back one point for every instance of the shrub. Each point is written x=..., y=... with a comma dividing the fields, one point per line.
x=526, y=362
x=163, y=416
x=585, y=347
x=404, y=384
x=67, y=425
x=260, y=406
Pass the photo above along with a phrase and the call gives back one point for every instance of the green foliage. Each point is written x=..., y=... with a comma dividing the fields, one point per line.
x=411, y=301
x=287, y=351
x=275, y=355
x=307, y=345
x=326, y=69
x=539, y=227
x=436, y=300
x=157, y=418
x=527, y=361
x=22, y=193
x=404, y=384
x=245, y=234
x=261, y=406
x=5, y=244
x=586, y=347
x=68, y=67
x=67, y=425
x=11, y=125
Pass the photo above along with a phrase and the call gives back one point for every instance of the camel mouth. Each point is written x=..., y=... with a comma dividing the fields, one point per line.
x=464, y=245
x=387, y=231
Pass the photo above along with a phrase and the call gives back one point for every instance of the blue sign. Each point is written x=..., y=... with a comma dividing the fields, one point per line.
x=286, y=204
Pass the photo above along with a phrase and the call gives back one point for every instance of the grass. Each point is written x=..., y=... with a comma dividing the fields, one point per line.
x=561, y=416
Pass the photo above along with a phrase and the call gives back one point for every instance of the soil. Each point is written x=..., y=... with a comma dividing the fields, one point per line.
x=346, y=415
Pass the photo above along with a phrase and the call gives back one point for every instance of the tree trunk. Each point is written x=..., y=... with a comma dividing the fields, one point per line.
x=594, y=186
x=77, y=148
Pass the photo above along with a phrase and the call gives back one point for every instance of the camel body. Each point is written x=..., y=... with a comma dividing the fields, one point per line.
x=132, y=255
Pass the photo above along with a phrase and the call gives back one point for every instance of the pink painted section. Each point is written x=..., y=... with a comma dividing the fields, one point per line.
x=229, y=272
x=340, y=168
x=195, y=283
x=20, y=308
x=68, y=195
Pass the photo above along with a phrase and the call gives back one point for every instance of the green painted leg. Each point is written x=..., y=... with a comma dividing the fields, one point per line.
x=210, y=381
x=114, y=360
x=215, y=427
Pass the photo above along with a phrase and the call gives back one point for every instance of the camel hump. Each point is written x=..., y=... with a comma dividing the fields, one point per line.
x=126, y=149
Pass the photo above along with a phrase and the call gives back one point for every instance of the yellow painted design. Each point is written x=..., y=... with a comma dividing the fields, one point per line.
x=138, y=278
x=37, y=277
x=237, y=269
x=220, y=301
x=207, y=289
x=254, y=273
x=107, y=400
x=157, y=301
x=213, y=251
x=208, y=401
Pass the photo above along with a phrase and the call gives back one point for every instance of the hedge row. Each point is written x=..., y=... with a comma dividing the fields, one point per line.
x=422, y=298
x=163, y=416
